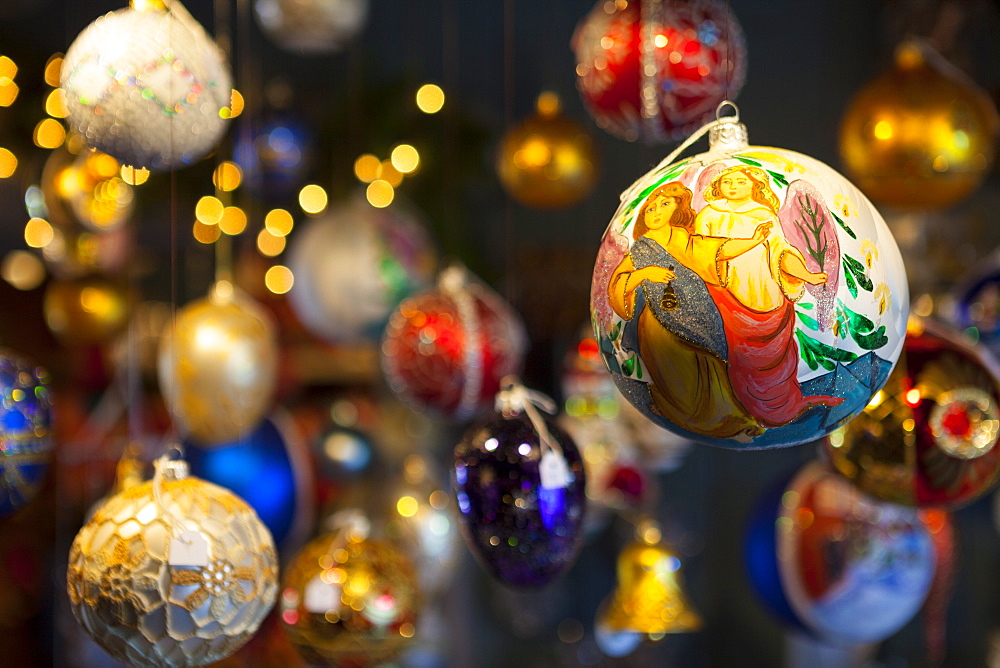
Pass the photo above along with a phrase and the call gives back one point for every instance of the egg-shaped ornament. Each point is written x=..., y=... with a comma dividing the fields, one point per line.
x=929, y=437
x=349, y=599
x=148, y=86
x=655, y=70
x=354, y=265
x=173, y=572
x=829, y=560
x=520, y=486
x=446, y=350
x=218, y=365
x=311, y=27
x=920, y=136
x=25, y=430
x=748, y=297
x=548, y=161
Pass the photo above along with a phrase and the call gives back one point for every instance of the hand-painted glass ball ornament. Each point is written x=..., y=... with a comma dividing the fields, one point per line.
x=748, y=297
x=86, y=310
x=218, y=366
x=549, y=160
x=655, y=71
x=25, y=430
x=446, y=350
x=828, y=560
x=929, y=437
x=920, y=136
x=311, y=26
x=148, y=86
x=520, y=485
x=350, y=600
x=354, y=265
x=269, y=468
x=172, y=572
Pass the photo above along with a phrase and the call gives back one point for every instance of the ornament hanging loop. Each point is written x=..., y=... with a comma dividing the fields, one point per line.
x=514, y=399
x=733, y=118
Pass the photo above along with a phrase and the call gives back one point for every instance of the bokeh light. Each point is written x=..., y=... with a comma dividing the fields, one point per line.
x=8, y=70
x=270, y=245
x=313, y=199
x=380, y=193
x=233, y=220
x=206, y=234
x=209, y=210
x=49, y=133
x=38, y=233
x=278, y=222
x=405, y=158
x=367, y=168
x=8, y=163
x=390, y=174
x=227, y=176
x=22, y=269
x=430, y=98
x=55, y=104
x=235, y=108
x=53, y=69
x=134, y=176
x=279, y=279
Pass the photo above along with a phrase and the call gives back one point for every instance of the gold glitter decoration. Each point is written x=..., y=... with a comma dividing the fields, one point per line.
x=144, y=609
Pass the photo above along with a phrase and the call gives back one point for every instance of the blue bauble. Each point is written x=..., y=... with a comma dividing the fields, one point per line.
x=267, y=470
x=25, y=430
x=977, y=303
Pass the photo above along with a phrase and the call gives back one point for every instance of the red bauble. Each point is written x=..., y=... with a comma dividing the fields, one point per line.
x=661, y=83
x=447, y=349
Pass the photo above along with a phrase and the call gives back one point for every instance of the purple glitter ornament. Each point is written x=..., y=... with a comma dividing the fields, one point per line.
x=519, y=483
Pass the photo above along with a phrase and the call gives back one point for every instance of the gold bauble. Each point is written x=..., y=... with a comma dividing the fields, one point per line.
x=218, y=367
x=921, y=136
x=146, y=598
x=85, y=187
x=85, y=310
x=348, y=600
x=549, y=161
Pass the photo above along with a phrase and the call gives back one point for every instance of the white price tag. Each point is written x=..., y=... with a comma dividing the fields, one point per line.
x=553, y=470
x=321, y=596
x=189, y=549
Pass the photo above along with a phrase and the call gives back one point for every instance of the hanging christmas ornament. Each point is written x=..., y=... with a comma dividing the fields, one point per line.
x=920, y=136
x=447, y=349
x=86, y=188
x=218, y=367
x=656, y=69
x=25, y=430
x=835, y=563
x=275, y=156
x=929, y=437
x=311, y=27
x=748, y=297
x=519, y=482
x=86, y=310
x=354, y=265
x=976, y=308
x=173, y=572
x=269, y=468
x=350, y=600
x=148, y=86
x=549, y=160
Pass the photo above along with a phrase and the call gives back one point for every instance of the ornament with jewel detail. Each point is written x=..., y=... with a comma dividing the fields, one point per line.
x=172, y=572
x=148, y=86
x=446, y=350
x=748, y=297
x=25, y=430
x=929, y=437
x=656, y=69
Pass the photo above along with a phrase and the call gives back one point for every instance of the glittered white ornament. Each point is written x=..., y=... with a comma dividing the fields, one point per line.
x=311, y=26
x=172, y=572
x=147, y=86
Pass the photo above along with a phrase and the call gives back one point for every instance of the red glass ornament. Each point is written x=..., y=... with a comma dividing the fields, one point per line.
x=447, y=349
x=656, y=70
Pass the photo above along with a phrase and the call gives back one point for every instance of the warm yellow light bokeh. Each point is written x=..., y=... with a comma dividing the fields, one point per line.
x=367, y=168
x=55, y=104
x=53, y=70
x=8, y=91
x=49, y=133
x=313, y=199
x=206, y=234
x=209, y=210
x=407, y=506
x=279, y=279
x=430, y=98
x=8, y=163
x=8, y=69
x=278, y=222
x=405, y=158
x=22, y=269
x=38, y=233
x=235, y=108
x=270, y=245
x=390, y=174
x=233, y=221
x=227, y=176
x=548, y=103
x=380, y=193
x=134, y=176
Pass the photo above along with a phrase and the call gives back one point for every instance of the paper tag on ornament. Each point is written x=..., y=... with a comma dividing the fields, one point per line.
x=189, y=549
x=553, y=470
x=321, y=596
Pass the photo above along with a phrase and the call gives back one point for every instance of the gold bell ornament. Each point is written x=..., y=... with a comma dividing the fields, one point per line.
x=172, y=572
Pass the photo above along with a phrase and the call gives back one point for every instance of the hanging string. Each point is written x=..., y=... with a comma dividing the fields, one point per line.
x=454, y=232
x=224, y=244
x=727, y=63
x=173, y=437
x=514, y=399
x=508, y=118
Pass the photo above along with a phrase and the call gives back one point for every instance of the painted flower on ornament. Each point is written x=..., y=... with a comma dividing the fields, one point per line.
x=844, y=206
x=883, y=297
x=219, y=582
x=116, y=597
x=869, y=251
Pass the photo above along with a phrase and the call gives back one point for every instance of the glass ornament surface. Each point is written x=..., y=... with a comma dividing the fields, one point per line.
x=311, y=27
x=218, y=365
x=929, y=437
x=841, y=566
x=656, y=71
x=350, y=600
x=548, y=161
x=85, y=310
x=920, y=136
x=175, y=571
x=524, y=530
x=25, y=430
x=148, y=87
x=353, y=265
x=748, y=297
x=87, y=188
x=446, y=350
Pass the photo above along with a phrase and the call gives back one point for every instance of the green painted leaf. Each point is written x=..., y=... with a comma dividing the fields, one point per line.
x=747, y=161
x=851, y=285
x=806, y=305
x=863, y=330
x=840, y=221
x=808, y=321
x=615, y=331
x=638, y=370
x=628, y=366
x=818, y=354
x=778, y=178
x=856, y=268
